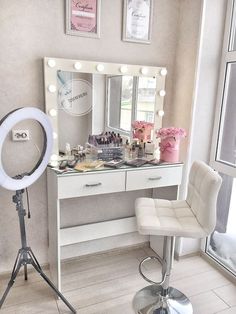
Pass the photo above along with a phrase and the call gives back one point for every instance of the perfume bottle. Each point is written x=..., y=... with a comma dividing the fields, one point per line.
x=68, y=150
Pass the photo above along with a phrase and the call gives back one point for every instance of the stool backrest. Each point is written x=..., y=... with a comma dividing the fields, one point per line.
x=203, y=187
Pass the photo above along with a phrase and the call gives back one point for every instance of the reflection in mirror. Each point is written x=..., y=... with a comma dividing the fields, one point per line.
x=146, y=99
x=74, y=108
x=119, y=101
x=81, y=100
x=85, y=99
x=128, y=99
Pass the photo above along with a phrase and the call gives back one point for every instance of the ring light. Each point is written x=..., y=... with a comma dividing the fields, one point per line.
x=25, y=254
x=6, y=124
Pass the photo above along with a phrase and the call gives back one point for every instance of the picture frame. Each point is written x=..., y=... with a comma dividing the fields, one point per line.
x=137, y=21
x=83, y=18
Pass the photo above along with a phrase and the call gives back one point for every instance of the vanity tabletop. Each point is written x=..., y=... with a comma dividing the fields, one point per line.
x=124, y=167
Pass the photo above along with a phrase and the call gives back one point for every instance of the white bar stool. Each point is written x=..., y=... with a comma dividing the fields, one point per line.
x=194, y=217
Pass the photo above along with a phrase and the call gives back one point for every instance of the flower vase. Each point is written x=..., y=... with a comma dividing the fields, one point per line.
x=169, y=149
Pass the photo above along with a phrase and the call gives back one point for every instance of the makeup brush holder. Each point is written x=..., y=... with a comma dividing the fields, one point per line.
x=106, y=153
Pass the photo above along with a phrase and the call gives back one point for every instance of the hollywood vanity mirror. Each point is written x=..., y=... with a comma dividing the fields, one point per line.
x=86, y=97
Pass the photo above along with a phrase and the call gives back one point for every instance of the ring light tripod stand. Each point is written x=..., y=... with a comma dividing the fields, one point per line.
x=25, y=254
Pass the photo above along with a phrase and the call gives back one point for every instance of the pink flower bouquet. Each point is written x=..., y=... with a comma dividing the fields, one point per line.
x=169, y=145
x=142, y=130
x=171, y=132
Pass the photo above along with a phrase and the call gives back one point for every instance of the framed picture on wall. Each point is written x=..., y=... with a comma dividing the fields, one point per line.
x=83, y=18
x=137, y=21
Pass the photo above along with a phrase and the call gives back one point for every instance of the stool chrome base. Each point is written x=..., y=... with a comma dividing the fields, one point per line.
x=149, y=301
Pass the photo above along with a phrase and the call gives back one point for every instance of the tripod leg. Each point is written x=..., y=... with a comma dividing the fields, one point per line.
x=31, y=253
x=11, y=282
x=19, y=254
x=48, y=281
x=25, y=272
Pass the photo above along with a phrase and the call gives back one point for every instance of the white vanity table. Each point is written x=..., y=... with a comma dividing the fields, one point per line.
x=88, y=97
x=76, y=185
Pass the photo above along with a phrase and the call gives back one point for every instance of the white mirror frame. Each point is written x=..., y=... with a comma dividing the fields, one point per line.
x=52, y=65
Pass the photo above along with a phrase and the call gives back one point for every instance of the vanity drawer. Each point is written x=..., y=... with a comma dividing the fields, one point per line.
x=90, y=184
x=152, y=178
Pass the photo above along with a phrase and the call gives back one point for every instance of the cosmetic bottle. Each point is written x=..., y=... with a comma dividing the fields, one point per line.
x=127, y=149
x=68, y=149
x=134, y=152
x=140, y=152
x=149, y=150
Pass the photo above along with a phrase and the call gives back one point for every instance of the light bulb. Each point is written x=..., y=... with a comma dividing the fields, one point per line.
x=54, y=163
x=51, y=63
x=52, y=88
x=53, y=157
x=160, y=113
x=163, y=72
x=162, y=92
x=144, y=70
x=77, y=65
x=123, y=69
x=53, y=112
x=100, y=67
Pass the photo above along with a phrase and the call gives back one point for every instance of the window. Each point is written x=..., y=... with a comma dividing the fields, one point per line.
x=232, y=42
x=224, y=145
x=129, y=98
x=221, y=244
x=226, y=149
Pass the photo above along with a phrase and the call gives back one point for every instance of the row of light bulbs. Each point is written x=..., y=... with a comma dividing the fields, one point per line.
x=100, y=68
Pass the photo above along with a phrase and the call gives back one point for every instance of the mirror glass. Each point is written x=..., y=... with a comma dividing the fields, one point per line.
x=78, y=95
x=130, y=98
x=90, y=103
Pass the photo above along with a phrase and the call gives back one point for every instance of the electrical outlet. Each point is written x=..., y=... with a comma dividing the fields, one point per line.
x=20, y=135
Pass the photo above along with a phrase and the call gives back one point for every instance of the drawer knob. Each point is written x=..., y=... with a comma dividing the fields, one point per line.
x=93, y=184
x=154, y=178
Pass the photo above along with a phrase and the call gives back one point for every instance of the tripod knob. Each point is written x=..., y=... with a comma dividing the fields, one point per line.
x=18, y=196
x=15, y=198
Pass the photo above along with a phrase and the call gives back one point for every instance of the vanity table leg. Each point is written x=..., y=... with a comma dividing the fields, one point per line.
x=54, y=253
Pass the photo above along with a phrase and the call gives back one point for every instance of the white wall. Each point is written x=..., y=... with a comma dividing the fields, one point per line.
x=205, y=86
x=30, y=30
x=185, y=69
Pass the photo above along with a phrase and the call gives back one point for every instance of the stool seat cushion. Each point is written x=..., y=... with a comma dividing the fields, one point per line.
x=167, y=218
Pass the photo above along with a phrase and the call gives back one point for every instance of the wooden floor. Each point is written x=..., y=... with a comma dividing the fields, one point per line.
x=106, y=284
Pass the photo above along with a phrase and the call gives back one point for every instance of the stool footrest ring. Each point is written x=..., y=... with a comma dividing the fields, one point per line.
x=142, y=274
